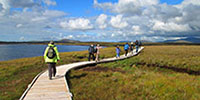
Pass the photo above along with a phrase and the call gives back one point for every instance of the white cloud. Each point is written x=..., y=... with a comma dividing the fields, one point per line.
x=47, y=14
x=175, y=38
x=69, y=37
x=131, y=7
x=49, y=2
x=178, y=19
x=83, y=36
x=77, y=24
x=118, y=22
x=113, y=35
x=188, y=2
x=64, y=24
x=19, y=25
x=24, y=4
x=5, y=4
x=53, y=13
x=8, y=4
x=170, y=27
x=152, y=19
x=139, y=2
x=4, y=7
x=101, y=21
x=136, y=30
x=1, y=10
x=22, y=38
x=123, y=20
x=38, y=18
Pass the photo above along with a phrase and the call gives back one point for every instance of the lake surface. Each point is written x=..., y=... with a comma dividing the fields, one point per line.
x=15, y=51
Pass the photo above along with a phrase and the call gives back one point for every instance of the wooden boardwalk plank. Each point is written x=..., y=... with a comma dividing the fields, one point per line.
x=57, y=88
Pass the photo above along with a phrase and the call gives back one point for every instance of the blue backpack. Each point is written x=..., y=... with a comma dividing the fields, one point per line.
x=126, y=47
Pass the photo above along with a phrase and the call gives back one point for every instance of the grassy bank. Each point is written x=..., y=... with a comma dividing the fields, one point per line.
x=15, y=75
x=158, y=73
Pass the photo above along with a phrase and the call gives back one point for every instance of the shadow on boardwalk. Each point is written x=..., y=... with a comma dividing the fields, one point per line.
x=58, y=77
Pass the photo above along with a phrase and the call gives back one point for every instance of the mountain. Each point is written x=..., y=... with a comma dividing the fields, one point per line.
x=143, y=41
x=124, y=41
x=58, y=41
x=67, y=41
x=186, y=40
x=146, y=41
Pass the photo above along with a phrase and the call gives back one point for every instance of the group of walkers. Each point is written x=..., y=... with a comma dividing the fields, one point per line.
x=127, y=47
x=94, y=51
x=51, y=54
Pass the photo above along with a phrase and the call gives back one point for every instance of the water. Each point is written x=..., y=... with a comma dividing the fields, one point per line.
x=15, y=51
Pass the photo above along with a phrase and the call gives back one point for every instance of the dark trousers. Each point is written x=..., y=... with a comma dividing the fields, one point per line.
x=136, y=48
x=126, y=52
x=89, y=57
x=52, y=69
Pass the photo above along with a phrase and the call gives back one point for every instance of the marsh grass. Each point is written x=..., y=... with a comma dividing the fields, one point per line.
x=142, y=84
x=141, y=79
x=15, y=75
x=187, y=57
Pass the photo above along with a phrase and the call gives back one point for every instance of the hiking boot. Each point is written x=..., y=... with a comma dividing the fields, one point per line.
x=54, y=75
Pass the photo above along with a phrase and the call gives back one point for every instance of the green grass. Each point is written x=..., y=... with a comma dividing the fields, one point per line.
x=139, y=84
x=187, y=57
x=140, y=77
x=15, y=75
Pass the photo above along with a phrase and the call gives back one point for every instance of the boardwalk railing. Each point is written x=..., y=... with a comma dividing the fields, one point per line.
x=41, y=88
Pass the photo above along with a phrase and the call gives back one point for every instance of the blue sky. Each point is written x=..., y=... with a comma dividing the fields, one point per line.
x=171, y=2
x=79, y=8
x=98, y=20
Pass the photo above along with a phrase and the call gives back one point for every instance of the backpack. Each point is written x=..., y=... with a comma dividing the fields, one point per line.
x=51, y=53
x=136, y=42
x=126, y=47
x=95, y=50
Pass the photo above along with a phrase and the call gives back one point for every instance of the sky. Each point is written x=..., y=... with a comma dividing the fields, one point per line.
x=99, y=20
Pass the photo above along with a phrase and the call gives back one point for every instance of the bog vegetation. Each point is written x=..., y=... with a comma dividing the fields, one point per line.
x=15, y=75
x=158, y=72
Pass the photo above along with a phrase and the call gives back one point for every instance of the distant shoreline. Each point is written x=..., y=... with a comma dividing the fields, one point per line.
x=101, y=43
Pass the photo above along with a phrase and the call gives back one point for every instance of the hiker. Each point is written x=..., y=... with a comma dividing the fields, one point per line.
x=126, y=47
x=97, y=51
x=51, y=57
x=91, y=51
x=118, y=51
x=136, y=45
x=131, y=47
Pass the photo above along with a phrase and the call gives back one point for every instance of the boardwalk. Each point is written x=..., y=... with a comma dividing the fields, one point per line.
x=57, y=89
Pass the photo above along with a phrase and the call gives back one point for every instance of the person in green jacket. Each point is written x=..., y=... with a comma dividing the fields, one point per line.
x=51, y=57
